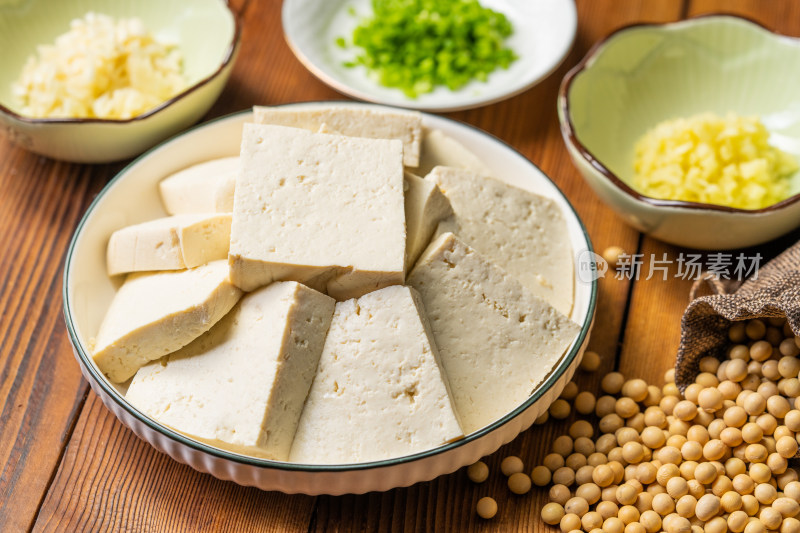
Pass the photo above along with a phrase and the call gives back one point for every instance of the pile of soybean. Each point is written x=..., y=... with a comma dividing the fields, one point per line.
x=713, y=459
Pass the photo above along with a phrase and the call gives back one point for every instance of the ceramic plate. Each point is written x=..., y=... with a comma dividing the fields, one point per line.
x=543, y=34
x=132, y=197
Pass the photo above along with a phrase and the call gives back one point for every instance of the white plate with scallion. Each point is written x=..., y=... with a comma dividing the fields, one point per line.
x=321, y=35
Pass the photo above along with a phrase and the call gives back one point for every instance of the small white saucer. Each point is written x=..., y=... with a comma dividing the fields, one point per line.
x=544, y=31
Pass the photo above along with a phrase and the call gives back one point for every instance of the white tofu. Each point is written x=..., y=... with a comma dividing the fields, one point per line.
x=316, y=206
x=426, y=206
x=522, y=232
x=171, y=243
x=325, y=128
x=497, y=341
x=223, y=194
x=439, y=149
x=156, y=313
x=352, y=122
x=193, y=189
x=241, y=386
x=379, y=391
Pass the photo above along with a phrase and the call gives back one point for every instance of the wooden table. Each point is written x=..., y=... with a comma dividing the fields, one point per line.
x=69, y=465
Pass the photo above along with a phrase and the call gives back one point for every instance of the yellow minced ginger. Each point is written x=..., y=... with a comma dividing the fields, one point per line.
x=101, y=68
x=713, y=160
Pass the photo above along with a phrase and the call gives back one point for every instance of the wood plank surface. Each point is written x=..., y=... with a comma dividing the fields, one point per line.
x=109, y=480
x=41, y=389
x=69, y=465
x=782, y=17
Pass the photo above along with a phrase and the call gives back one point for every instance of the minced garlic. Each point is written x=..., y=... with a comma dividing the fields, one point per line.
x=100, y=68
x=712, y=160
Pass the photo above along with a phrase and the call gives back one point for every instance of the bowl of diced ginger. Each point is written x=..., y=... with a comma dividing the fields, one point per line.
x=690, y=131
x=98, y=81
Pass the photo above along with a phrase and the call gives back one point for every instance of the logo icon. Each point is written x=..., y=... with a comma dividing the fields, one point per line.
x=590, y=266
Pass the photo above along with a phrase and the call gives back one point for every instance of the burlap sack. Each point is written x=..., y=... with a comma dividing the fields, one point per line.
x=775, y=292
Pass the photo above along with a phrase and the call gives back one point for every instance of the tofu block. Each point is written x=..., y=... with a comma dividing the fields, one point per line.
x=439, y=149
x=522, y=232
x=317, y=206
x=223, y=194
x=241, y=385
x=496, y=339
x=379, y=391
x=193, y=189
x=325, y=128
x=352, y=122
x=426, y=206
x=156, y=313
x=171, y=243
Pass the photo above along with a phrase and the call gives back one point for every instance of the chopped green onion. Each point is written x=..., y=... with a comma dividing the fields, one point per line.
x=417, y=45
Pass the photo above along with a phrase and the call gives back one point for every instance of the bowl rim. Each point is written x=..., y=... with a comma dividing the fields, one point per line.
x=570, y=137
x=85, y=360
x=230, y=53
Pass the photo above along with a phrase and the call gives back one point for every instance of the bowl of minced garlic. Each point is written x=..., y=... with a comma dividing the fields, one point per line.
x=641, y=458
x=101, y=68
x=695, y=146
x=108, y=83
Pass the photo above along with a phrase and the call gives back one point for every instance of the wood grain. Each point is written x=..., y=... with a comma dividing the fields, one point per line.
x=69, y=465
x=109, y=480
x=41, y=390
x=652, y=330
x=782, y=17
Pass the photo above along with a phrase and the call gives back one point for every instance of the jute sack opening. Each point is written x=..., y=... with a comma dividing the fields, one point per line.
x=774, y=292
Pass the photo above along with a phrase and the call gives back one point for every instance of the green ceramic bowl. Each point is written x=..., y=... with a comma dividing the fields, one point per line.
x=207, y=32
x=644, y=74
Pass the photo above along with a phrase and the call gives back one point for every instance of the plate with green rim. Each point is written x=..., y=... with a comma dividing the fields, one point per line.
x=132, y=197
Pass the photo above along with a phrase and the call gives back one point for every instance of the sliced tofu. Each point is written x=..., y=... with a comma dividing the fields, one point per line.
x=242, y=385
x=353, y=122
x=223, y=194
x=522, y=232
x=439, y=149
x=193, y=189
x=496, y=339
x=316, y=206
x=171, y=243
x=155, y=313
x=379, y=391
x=426, y=206
x=325, y=128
